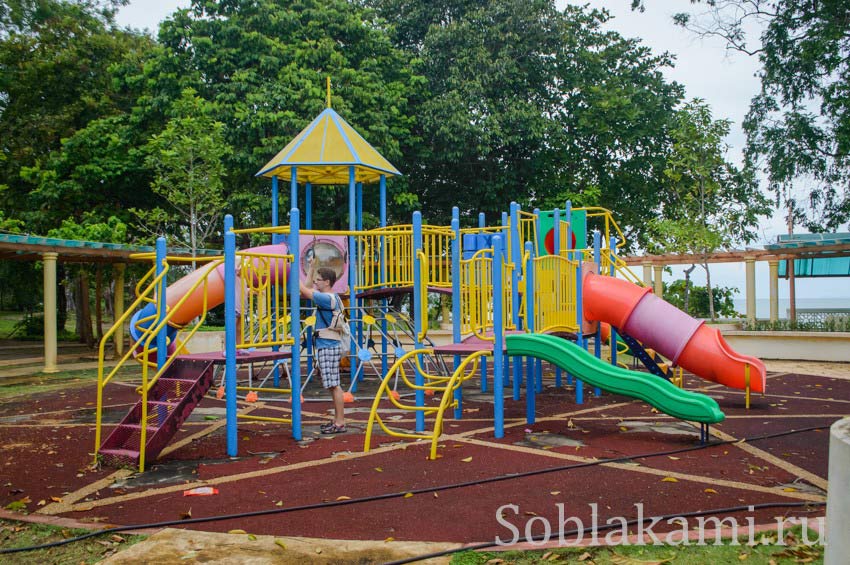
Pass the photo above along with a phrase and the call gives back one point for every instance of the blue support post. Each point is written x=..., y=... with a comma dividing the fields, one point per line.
x=498, y=341
x=230, y=335
x=420, y=314
x=531, y=380
x=612, y=247
x=295, y=320
x=357, y=303
x=568, y=245
x=506, y=377
x=482, y=223
x=579, y=318
x=293, y=189
x=275, y=205
x=538, y=363
x=556, y=248
x=597, y=338
x=161, y=305
x=308, y=205
x=352, y=264
x=383, y=275
x=515, y=253
x=456, y=301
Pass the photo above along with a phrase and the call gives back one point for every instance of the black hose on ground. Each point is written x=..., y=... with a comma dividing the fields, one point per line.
x=401, y=494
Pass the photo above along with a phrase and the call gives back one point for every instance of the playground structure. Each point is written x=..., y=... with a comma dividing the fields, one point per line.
x=514, y=287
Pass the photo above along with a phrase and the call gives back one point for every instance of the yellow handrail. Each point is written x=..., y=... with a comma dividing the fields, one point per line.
x=423, y=272
x=118, y=325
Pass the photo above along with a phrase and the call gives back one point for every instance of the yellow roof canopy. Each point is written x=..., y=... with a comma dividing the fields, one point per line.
x=323, y=153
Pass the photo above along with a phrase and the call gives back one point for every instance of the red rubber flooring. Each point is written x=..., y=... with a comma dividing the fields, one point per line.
x=48, y=441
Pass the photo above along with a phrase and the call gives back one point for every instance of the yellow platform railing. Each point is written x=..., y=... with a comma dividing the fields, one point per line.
x=554, y=294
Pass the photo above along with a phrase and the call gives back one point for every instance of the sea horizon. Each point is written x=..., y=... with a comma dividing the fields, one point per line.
x=763, y=305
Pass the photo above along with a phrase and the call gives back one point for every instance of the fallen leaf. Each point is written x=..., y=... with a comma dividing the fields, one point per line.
x=279, y=543
x=343, y=498
x=279, y=503
x=41, y=502
x=252, y=537
x=789, y=489
x=673, y=458
x=436, y=495
x=186, y=515
x=710, y=491
x=408, y=494
x=378, y=469
x=237, y=532
x=555, y=492
x=670, y=480
x=584, y=556
x=467, y=460
x=55, y=499
x=389, y=540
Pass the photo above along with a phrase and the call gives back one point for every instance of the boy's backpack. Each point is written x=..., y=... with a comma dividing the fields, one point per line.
x=339, y=326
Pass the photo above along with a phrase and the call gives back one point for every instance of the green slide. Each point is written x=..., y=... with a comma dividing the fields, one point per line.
x=662, y=394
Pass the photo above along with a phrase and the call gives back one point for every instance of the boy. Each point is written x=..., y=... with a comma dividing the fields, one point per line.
x=327, y=346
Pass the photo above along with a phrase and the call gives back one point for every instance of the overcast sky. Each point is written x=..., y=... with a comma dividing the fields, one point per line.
x=726, y=80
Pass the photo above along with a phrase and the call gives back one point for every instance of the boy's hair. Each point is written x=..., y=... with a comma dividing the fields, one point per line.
x=328, y=274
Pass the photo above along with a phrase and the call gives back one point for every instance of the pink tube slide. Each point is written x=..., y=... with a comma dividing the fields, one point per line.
x=686, y=341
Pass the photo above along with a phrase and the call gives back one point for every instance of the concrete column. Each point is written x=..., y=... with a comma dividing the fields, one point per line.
x=750, y=263
x=118, y=308
x=50, y=312
x=774, y=290
x=658, y=274
x=647, y=274
x=838, y=497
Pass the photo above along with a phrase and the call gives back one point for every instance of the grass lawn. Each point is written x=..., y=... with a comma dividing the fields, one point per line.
x=22, y=534
x=765, y=552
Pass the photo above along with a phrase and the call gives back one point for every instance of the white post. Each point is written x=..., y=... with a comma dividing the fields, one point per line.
x=50, y=349
x=657, y=275
x=838, y=497
x=774, y=290
x=750, y=263
x=647, y=274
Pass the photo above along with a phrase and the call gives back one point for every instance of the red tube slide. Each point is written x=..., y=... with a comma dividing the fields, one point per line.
x=687, y=342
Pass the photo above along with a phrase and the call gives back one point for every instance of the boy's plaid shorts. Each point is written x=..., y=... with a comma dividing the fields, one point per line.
x=328, y=361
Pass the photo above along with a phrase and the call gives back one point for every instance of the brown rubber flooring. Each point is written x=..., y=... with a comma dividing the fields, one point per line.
x=48, y=441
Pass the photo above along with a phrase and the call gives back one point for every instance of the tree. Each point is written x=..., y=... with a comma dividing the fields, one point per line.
x=798, y=126
x=262, y=64
x=186, y=160
x=528, y=103
x=694, y=300
x=54, y=80
x=712, y=204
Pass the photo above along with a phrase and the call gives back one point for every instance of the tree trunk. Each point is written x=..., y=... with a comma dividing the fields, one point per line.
x=688, y=287
x=84, y=309
x=61, y=298
x=98, y=302
x=710, y=293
